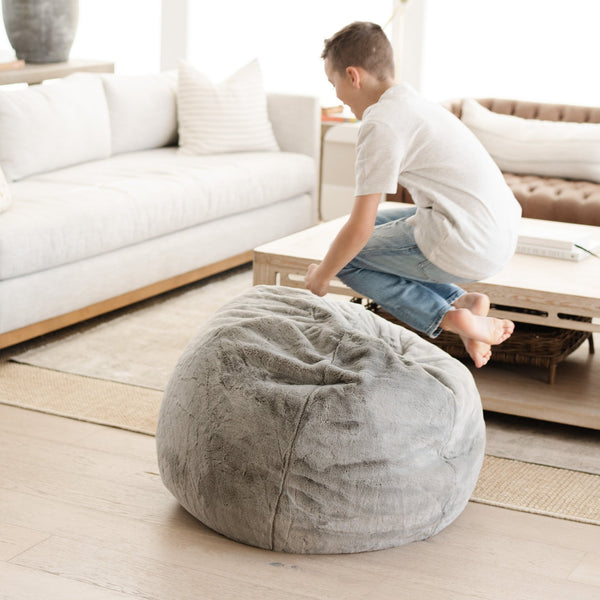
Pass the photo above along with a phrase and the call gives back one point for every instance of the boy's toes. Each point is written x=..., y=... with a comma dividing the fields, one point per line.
x=504, y=329
x=479, y=352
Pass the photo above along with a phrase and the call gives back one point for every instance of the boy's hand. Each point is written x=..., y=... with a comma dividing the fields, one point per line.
x=349, y=241
x=314, y=282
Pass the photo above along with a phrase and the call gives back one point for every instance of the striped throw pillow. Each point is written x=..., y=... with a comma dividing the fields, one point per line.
x=226, y=117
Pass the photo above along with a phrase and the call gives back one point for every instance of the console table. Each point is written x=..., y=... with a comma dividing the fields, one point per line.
x=33, y=73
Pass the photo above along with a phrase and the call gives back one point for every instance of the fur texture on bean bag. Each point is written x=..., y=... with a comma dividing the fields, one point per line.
x=308, y=425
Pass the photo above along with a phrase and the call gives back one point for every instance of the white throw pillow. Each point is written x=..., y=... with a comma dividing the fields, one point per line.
x=142, y=109
x=5, y=195
x=49, y=126
x=226, y=117
x=549, y=148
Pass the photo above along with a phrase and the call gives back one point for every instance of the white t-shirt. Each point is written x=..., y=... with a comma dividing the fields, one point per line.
x=467, y=217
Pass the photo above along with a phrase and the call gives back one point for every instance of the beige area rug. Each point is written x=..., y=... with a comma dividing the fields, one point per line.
x=539, y=489
x=503, y=482
x=112, y=371
x=82, y=398
x=139, y=345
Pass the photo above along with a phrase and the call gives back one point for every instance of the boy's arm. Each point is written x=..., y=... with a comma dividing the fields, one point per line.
x=350, y=240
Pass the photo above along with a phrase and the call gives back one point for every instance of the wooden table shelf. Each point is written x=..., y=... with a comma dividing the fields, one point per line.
x=34, y=73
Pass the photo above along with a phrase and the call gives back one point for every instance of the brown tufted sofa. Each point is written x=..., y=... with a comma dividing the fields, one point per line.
x=549, y=198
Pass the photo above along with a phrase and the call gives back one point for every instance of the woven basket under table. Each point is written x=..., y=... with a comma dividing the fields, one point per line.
x=536, y=345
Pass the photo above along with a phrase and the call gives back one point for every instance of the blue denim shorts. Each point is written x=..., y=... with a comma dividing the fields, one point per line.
x=393, y=272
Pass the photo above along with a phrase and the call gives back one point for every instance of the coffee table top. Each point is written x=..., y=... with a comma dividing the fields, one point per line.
x=309, y=245
x=554, y=275
x=525, y=271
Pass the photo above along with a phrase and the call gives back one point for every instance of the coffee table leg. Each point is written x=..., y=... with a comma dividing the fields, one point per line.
x=263, y=273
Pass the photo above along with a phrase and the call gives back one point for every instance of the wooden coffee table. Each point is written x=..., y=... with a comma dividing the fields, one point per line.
x=552, y=288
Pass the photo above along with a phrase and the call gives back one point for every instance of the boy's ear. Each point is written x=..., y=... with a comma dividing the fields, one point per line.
x=354, y=75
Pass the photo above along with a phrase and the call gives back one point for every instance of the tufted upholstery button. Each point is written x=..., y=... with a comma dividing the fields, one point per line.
x=555, y=199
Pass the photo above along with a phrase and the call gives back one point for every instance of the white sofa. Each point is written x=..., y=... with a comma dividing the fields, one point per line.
x=106, y=210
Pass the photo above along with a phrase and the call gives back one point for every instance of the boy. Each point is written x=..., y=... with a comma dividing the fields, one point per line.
x=463, y=226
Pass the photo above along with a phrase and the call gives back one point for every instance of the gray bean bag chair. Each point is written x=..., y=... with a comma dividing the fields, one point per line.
x=307, y=425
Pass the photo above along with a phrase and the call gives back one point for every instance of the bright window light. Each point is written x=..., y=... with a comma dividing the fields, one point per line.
x=126, y=32
x=539, y=50
x=287, y=38
x=543, y=50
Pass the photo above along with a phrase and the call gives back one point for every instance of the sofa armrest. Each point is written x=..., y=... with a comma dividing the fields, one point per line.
x=296, y=122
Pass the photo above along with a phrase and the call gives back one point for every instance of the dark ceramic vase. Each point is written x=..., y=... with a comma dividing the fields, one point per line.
x=41, y=31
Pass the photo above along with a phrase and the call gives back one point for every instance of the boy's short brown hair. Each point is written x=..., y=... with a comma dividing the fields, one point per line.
x=361, y=44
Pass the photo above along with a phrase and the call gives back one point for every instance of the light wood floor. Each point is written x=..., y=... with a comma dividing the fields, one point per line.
x=84, y=516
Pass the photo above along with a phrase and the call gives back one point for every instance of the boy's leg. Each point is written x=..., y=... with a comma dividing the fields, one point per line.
x=416, y=304
x=387, y=270
x=412, y=302
x=392, y=271
x=390, y=211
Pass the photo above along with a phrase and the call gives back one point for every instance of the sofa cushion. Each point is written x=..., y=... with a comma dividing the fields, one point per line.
x=51, y=126
x=555, y=199
x=226, y=117
x=537, y=147
x=5, y=193
x=142, y=109
x=90, y=209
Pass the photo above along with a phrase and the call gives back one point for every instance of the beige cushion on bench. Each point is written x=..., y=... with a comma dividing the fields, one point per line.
x=556, y=199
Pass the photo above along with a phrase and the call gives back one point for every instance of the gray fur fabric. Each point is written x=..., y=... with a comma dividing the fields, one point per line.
x=308, y=425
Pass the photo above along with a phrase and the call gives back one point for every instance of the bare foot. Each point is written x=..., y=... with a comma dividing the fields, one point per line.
x=478, y=304
x=477, y=331
x=481, y=329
